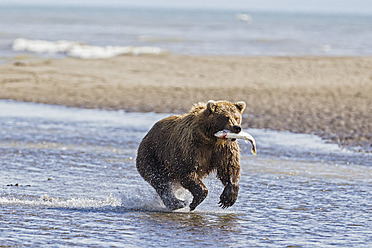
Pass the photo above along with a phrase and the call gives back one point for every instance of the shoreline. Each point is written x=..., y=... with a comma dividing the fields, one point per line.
x=325, y=96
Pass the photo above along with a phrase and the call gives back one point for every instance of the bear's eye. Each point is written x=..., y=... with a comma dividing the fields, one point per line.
x=227, y=118
x=236, y=118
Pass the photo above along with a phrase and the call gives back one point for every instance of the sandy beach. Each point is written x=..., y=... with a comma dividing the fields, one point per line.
x=327, y=96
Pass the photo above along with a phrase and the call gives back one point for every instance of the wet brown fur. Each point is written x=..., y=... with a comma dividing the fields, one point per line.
x=183, y=149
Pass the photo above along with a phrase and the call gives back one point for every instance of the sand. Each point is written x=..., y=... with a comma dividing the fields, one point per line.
x=327, y=96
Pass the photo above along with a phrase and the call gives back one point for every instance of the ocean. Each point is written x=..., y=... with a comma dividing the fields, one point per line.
x=101, y=32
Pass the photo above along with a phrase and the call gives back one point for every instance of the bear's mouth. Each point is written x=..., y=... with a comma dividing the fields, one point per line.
x=223, y=134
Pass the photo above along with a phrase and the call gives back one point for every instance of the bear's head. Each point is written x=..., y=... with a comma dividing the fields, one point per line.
x=220, y=115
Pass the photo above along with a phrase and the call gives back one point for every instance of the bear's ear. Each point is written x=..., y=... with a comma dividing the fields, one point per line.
x=211, y=106
x=240, y=106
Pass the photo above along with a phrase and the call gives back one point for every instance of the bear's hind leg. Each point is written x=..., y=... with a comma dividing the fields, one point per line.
x=166, y=194
x=157, y=177
x=161, y=183
x=197, y=188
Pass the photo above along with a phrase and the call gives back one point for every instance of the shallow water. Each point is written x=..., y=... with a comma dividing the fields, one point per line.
x=69, y=178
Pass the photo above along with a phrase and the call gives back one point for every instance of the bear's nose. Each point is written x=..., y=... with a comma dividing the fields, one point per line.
x=237, y=129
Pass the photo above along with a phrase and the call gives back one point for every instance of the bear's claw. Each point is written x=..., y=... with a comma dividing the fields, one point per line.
x=228, y=196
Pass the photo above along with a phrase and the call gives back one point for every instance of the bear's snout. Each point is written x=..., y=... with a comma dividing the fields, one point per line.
x=237, y=129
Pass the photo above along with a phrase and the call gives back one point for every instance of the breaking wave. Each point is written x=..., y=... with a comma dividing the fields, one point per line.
x=81, y=50
x=127, y=201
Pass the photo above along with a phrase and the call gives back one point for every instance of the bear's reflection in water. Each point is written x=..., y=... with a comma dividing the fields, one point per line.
x=204, y=228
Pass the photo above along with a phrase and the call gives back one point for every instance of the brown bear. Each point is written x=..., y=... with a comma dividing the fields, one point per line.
x=183, y=149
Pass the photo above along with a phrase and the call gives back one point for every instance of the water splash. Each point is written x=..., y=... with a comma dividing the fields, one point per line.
x=57, y=202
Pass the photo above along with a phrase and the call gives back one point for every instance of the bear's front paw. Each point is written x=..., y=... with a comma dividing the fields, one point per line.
x=228, y=196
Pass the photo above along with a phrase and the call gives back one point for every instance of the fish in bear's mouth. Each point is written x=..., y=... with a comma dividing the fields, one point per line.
x=226, y=134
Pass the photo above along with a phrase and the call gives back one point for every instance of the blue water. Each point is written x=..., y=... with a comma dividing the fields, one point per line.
x=212, y=32
x=69, y=179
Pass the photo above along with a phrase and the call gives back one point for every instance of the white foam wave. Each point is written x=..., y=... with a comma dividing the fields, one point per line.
x=137, y=200
x=48, y=201
x=81, y=50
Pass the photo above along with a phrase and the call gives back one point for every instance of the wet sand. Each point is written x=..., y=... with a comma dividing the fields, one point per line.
x=327, y=96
